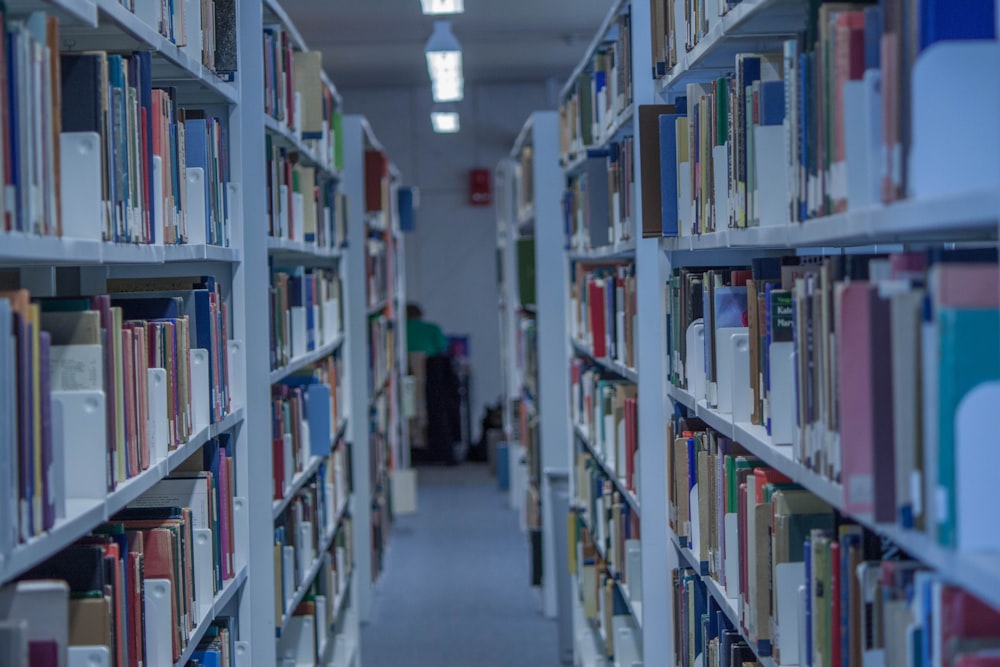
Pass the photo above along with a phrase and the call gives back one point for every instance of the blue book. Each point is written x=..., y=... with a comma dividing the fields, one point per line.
x=951, y=20
x=196, y=156
x=208, y=658
x=144, y=61
x=668, y=174
x=772, y=103
x=873, y=38
x=317, y=404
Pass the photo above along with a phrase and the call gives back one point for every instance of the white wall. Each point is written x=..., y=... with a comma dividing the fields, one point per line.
x=451, y=258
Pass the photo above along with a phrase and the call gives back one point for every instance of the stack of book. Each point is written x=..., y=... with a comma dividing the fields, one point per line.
x=205, y=30
x=604, y=409
x=302, y=203
x=603, y=310
x=305, y=312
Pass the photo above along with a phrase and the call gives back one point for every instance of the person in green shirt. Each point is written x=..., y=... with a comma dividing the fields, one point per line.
x=421, y=335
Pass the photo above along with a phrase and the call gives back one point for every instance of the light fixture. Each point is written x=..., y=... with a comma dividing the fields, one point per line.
x=435, y=7
x=445, y=122
x=444, y=64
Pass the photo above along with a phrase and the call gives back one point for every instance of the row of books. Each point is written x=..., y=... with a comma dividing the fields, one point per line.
x=679, y=25
x=821, y=127
x=296, y=96
x=861, y=364
x=703, y=633
x=605, y=410
x=807, y=586
x=605, y=558
x=165, y=557
x=603, y=309
x=106, y=119
x=205, y=30
x=307, y=409
x=307, y=542
x=601, y=93
x=305, y=306
x=313, y=622
x=302, y=204
x=106, y=351
x=381, y=351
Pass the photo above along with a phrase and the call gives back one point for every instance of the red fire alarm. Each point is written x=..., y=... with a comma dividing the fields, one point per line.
x=479, y=187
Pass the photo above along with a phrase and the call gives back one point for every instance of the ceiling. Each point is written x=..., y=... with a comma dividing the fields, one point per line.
x=379, y=43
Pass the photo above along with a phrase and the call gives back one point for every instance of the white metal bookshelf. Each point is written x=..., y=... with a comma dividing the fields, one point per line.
x=242, y=268
x=964, y=218
x=364, y=390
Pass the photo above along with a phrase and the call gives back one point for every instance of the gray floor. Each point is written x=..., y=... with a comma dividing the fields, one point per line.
x=455, y=591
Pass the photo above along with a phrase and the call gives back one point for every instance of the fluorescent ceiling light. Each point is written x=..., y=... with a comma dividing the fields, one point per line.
x=445, y=122
x=444, y=64
x=443, y=6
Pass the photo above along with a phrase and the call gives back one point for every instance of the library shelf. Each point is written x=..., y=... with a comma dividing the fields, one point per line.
x=729, y=606
x=69, y=12
x=377, y=307
x=338, y=611
x=308, y=472
x=222, y=599
x=299, y=250
x=289, y=139
x=83, y=515
x=970, y=216
x=19, y=248
x=584, y=437
x=979, y=572
x=748, y=26
x=611, y=365
x=275, y=13
x=315, y=567
x=120, y=29
x=620, y=128
x=308, y=359
x=620, y=250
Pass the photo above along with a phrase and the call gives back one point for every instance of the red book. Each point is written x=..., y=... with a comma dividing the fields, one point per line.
x=224, y=524
x=963, y=617
x=142, y=393
x=135, y=596
x=158, y=563
x=278, y=454
x=742, y=518
x=376, y=169
x=598, y=326
x=131, y=428
x=631, y=441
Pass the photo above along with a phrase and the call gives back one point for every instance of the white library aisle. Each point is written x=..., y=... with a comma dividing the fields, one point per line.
x=188, y=211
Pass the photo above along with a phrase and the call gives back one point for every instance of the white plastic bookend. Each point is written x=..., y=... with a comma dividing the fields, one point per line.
x=626, y=641
x=742, y=397
x=732, y=560
x=633, y=569
x=244, y=656
x=192, y=29
x=403, y=484
x=720, y=161
x=288, y=575
x=306, y=551
x=237, y=376
x=88, y=656
x=802, y=605
x=694, y=365
x=159, y=622
x=85, y=445
x=782, y=399
x=725, y=348
x=241, y=530
x=862, y=139
x=299, y=337
x=966, y=156
x=204, y=572
x=298, y=217
x=772, y=187
x=195, y=207
x=80, y=185
x=158, y=210
x=788, y=625
x=201, y=401
x=321, y=624
x=975, y=459
x=297, y=643
x=331, y=320
x=148, y=11
x=158, y=425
